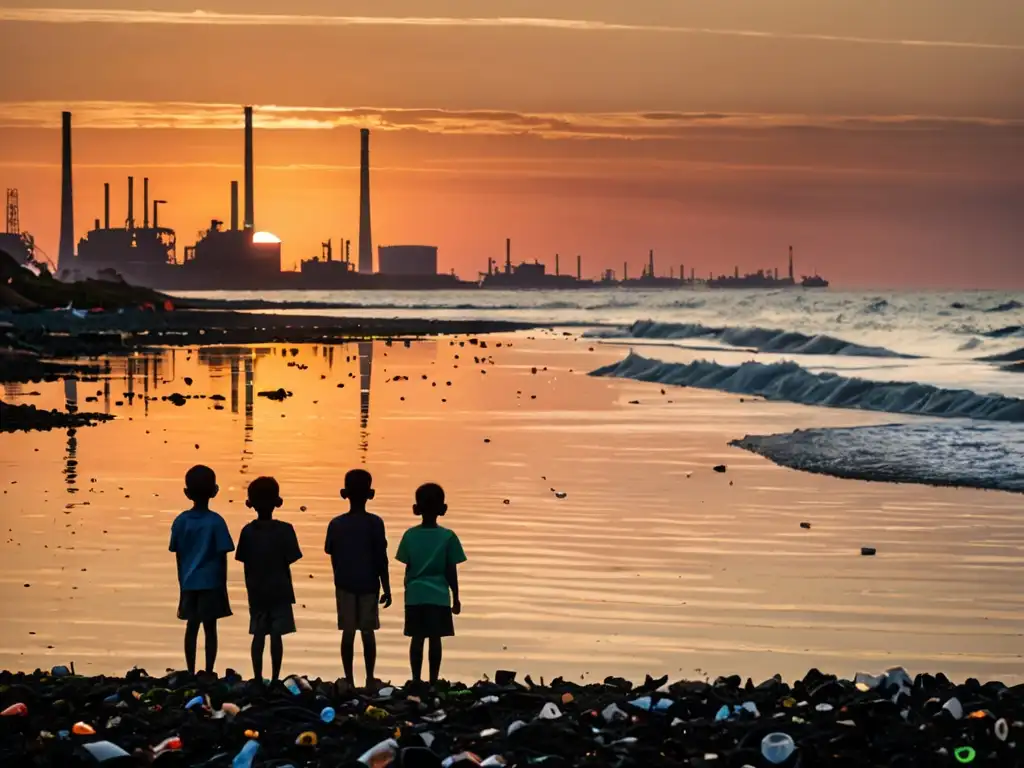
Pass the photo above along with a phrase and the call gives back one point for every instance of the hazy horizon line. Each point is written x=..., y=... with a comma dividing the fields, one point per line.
x=217, y=18
x=612, y=125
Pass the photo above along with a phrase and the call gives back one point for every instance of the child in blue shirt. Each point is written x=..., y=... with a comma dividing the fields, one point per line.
x=201, y=542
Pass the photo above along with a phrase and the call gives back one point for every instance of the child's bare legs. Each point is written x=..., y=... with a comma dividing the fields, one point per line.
x=348, y=648
x=276, y=656
x=257, y=657
x=416, y=658
x=192, y=638
x=369, y=655
x=435, y=659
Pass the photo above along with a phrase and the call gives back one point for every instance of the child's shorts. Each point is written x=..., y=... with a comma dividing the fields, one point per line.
x=278, y=620
x=204, y=604
x=429, y=621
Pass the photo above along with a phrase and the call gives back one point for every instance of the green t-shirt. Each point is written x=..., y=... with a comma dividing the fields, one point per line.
x=427, y=552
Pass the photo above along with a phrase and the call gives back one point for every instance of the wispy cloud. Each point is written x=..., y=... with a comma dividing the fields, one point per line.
x=215, y=18
x=634, y=126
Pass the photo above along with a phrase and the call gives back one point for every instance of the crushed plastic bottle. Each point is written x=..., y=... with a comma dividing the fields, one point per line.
x=103, y=751
x=955, y=708
x=83, y=729
x=549, y=712
x=451, y=760
x=611, y=713
x=247, y=754
x=170, y=744
x=327, y=714
x=380, y=754
x=292, y=686
x=777, y=747
x=15, y=710
x=515, y=726
x=195, y=701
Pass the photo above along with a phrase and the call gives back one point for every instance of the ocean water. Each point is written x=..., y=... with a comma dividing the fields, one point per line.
x=943, y=362
x=601, y=540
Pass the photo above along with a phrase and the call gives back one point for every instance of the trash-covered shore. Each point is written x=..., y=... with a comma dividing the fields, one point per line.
x=56, y=718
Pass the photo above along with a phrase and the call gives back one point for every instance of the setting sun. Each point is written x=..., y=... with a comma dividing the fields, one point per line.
x=265, y=237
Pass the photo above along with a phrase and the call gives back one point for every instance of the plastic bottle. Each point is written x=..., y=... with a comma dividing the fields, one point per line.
x=245, y=757
x=378, y=755
x=777, y=747
x=292, y=686
x=955, y=708
x=549, y=712
x=327, y=714
x=15, y=710
x=1001, y=729
x=83, y=729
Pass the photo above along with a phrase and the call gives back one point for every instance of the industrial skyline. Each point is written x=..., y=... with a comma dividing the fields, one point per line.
x=887, y=149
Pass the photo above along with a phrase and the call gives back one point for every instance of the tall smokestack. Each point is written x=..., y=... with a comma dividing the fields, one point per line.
x=66, y=250
x=145, y=202
x=650, y=263
x=106, y=205
x=791, y=262
x=579, y=267
x=508, y=255
x=556, y=265
x=249, y=222
x=234, y=205
x=365, y=238
x=130, y=221
x=625, y=270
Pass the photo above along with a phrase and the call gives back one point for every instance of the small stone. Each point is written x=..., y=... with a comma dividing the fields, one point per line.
x=720, y=468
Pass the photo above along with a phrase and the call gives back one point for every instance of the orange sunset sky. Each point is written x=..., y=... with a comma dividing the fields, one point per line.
x=884, y=139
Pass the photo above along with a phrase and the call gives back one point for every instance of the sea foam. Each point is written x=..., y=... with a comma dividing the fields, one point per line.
x=788, y=381
x=948, y=453
x=761, y=339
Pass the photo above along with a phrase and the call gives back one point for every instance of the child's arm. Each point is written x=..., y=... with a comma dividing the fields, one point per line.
x=382, y=568
x=454, y=556
x=451, y=574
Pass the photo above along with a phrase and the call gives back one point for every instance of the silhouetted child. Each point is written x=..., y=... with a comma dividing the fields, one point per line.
x=267, y=548
x=201, y=542
x=431, y=554
x=358, y=546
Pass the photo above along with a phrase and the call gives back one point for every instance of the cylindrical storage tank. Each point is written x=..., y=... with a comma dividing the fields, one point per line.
x=407, y=260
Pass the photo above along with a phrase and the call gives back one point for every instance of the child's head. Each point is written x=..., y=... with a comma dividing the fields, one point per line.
x=264, y=496
x=358, y=486
x=430, y=501
x=200, y=484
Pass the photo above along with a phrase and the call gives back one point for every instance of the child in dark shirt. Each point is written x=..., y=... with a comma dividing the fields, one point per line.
x=431, y=554
x=267, y=548
x=357, y=544
x=200, y=541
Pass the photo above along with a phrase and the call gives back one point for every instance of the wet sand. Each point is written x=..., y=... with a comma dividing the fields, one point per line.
x=651, y=563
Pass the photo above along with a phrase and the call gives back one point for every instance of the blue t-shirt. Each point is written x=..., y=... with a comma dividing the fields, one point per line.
x=201, y=539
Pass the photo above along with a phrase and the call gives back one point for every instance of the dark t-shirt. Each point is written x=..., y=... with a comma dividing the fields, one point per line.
x=268, y=548
x=358, y=548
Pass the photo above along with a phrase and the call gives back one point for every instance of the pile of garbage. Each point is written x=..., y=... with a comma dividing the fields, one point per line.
x=62, y=719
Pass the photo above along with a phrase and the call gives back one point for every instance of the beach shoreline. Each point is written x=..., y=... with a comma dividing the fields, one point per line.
x=651, y=560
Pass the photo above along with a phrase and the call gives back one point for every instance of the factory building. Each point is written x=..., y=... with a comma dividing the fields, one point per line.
x=407, y=260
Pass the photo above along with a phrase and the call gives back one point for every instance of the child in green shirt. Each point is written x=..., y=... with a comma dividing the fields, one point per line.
x=431, y=554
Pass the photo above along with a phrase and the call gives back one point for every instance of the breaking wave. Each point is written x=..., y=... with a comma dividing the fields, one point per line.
x=1006, y=306
x=761, y=339
x=1005, y=332
x=1015, y=356
x=787, y=381
x=972, y=456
